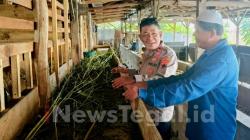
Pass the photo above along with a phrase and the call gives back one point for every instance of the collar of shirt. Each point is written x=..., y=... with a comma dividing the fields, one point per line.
x=222, y=43
x=150, y=53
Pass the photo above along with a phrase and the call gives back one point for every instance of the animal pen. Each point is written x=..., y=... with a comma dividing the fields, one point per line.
x=51, y=60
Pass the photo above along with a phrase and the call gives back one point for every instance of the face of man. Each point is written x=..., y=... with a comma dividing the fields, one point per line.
x=202, y=37
x=151, y=36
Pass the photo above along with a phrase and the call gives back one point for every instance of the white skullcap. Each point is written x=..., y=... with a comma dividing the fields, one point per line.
x=210, y=16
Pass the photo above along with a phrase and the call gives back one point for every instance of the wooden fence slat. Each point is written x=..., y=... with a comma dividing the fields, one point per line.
x=51, y=59
x=11, y=49
x=81, y=49
x=25, y=3
x=2, y=102
x=60, y=5
x=59, y=17
x=4, y=56
x=28, y=70
x=60, y=55
x=20, y=48
x=55, y=40
x=66, y=32
x=16, y=12
x=59, y=30
x=10, y=36
x=50, y=44
x=59, y=43
x=15, y=76
x=62, y=49
x=13, y=23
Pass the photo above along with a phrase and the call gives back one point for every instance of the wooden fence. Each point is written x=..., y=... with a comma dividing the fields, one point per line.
x=36, y=52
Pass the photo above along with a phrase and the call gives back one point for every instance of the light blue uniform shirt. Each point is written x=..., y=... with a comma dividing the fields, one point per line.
x=210, y=87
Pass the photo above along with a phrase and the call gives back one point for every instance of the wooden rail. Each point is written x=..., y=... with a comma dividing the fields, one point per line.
x=18, y=24
x=146, y=124
x=25, y=3
x=2, y=102
x=16, y=11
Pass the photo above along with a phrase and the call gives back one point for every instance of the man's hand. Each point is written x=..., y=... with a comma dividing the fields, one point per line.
x=122, y=81
x=119, y=70
x=132, y=91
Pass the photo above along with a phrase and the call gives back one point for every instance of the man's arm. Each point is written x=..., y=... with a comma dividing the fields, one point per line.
x=176, y=90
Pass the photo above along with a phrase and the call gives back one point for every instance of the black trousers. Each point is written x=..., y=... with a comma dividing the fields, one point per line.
x=164, y=129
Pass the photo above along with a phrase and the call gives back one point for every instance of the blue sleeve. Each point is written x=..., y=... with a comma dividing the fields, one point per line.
x=188, y=86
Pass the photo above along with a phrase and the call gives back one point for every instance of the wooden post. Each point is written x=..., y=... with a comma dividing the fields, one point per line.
x=55, y=40
x=122, y=29
x=155, y=8
x=2, y=102
x=66, y=32
x=130, y=25
x=81, y=36
x=85, y=33
x=90, y=32
x=15, y=76
x=237, y=34
x=75, y=34
x=42, y=64
x=28, y=70
x=50, y=52
x=174, y=31
x=186, y=25
x=125, y=28
x=187, y=42
x=199, y=7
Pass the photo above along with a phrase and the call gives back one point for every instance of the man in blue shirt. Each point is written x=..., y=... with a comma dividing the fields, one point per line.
x=210, y=86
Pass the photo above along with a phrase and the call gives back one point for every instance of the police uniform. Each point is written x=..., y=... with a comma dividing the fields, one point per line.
x=155, y=64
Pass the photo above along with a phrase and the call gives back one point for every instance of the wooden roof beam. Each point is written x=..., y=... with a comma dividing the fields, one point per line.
x=108, y=13
x=107, y=20
x=99, y=1
x=114, y=6
x=110, y=10
x=179, y=3
x=104, y=17
x=107, y=17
